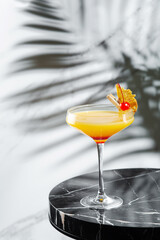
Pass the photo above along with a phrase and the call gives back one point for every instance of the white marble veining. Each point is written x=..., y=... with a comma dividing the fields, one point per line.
x=139, y=210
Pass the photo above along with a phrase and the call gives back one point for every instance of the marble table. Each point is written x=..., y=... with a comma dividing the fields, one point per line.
x=138, y=217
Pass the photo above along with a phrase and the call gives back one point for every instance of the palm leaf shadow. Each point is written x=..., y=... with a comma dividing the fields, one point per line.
x=65, y=53
x=141, y=80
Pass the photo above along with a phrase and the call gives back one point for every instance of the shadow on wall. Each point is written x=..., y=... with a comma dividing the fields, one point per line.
x=75, y=71
x=83, y=70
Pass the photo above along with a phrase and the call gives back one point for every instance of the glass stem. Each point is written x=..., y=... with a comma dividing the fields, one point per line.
x=101, y=194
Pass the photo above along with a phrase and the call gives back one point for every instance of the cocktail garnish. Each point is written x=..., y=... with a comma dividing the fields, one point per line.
x=124, y=106
x=119, y=92
x=113, y=100
x=126, y=98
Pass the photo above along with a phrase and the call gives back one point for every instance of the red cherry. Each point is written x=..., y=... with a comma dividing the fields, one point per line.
x=124, y=106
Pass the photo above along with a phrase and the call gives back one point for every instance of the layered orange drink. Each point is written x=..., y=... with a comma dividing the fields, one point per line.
x=102, y=122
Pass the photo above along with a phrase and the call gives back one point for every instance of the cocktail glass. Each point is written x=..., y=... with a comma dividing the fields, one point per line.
x=100, y=122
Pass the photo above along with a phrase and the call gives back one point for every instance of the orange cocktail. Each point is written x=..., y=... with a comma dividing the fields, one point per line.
x=101, y=121
x=100, y=124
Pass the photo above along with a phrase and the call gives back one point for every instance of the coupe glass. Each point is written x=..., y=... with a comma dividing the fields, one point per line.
x=99, y=121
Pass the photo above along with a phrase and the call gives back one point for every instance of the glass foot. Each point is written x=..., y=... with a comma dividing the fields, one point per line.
x=106, y=203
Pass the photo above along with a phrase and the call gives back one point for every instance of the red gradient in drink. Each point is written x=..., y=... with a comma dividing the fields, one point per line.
x=100, y=139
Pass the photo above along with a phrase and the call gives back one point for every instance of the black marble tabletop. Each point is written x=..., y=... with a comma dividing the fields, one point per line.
x=138, y=217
